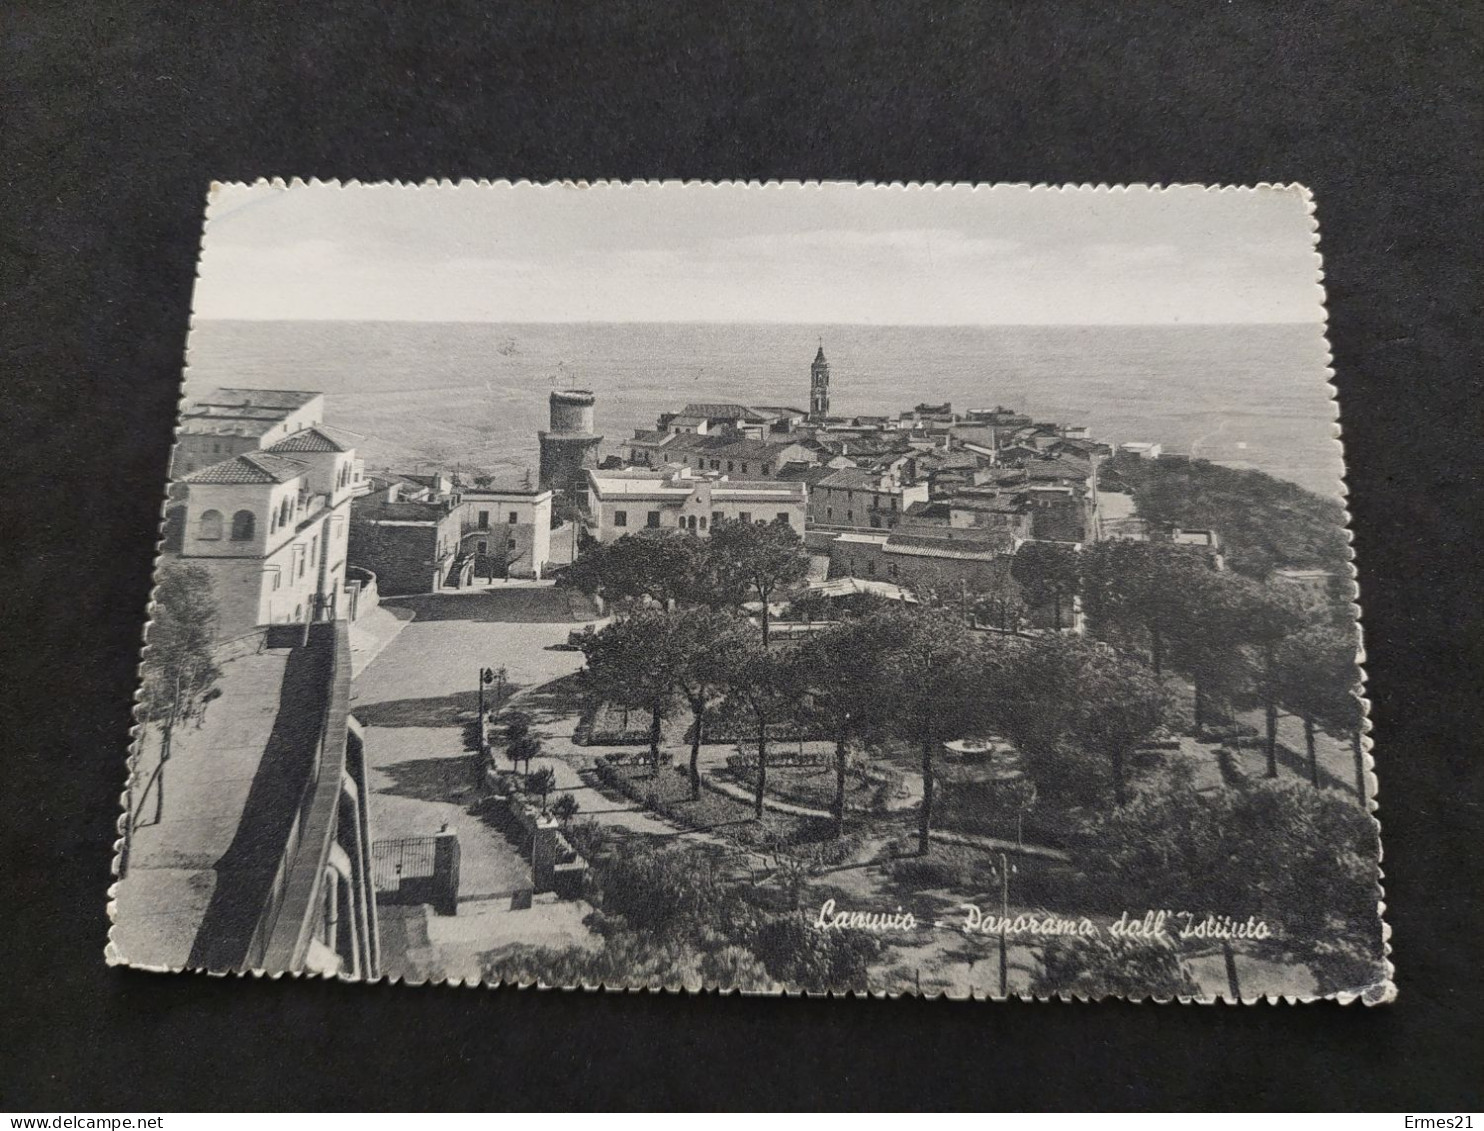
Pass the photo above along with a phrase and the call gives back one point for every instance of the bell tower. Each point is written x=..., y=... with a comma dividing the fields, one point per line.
x=819, y=386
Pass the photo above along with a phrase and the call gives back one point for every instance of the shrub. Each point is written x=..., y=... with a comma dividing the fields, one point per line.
x=588, y=837
x=517, y=724
x=565, y=807
x=803, y=957
x=735, y=968
x=925, y=873
x=660, y=890
x=1102, y=967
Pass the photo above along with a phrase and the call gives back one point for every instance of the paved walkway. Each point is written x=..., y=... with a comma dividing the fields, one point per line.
x=1335, y=756
x=415, y=699
x=371, y=632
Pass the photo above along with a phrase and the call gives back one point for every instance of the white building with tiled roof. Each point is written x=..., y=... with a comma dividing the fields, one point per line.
x=271, y=528
x=629, y=501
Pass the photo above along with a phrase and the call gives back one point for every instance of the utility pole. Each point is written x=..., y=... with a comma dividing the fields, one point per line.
x=1234, y=987
x=1004, y=923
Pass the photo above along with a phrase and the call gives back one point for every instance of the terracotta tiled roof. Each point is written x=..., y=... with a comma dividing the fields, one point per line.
x=317, y=438
x=853, y=479
x=249, y=467
x=810, y=473
x=713, y=411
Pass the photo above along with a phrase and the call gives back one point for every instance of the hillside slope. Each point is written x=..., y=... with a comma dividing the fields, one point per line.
x=1264, y=523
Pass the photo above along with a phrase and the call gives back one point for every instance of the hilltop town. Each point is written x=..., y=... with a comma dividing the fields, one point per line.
x=932, y=498
x=730, y=621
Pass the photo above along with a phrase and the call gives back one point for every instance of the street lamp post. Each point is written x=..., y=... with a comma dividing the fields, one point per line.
x=486, y=677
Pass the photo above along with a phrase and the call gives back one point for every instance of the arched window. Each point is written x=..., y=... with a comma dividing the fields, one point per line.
x=211, y=526
x=243, y=526
x=283, y=513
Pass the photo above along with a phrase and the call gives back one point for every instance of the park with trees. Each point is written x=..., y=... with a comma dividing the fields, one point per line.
x=911, y=755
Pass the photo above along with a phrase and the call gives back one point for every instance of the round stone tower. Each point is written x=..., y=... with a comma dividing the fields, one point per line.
x=570, y=446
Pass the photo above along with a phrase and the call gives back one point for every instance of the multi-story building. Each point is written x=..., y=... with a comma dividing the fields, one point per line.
x=704, y=418
x=629, y=501
x=227, y=422
x=271, y=527
x=854, y=498
x=508, y=532
x=725, y=452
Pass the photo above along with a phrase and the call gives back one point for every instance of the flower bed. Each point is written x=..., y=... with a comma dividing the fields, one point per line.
x=811, y=785
x=667, y=793
x=603, y=725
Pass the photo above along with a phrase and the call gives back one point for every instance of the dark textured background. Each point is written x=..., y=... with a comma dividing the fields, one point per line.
x=116, y=116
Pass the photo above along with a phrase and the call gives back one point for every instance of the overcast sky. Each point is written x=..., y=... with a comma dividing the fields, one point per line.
x=813, y=254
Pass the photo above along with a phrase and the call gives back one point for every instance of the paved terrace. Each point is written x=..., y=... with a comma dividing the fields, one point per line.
x=198, y=878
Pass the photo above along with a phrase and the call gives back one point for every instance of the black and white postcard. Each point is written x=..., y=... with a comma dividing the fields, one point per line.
x=787, y=588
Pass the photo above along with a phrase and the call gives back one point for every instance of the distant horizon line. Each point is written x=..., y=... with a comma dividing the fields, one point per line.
x=1321, y=322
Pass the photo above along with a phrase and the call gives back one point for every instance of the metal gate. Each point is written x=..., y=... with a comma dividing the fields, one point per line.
x=402, y=859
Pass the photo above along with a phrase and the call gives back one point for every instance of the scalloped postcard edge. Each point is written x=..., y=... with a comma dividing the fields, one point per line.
x=1379, y=993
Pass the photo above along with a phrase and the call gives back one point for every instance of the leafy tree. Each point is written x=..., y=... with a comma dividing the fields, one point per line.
x=523, y=749
x=1316, y=677
x=632, y=663
x=517, y=724
x=759, y=681
x=542, y=782
x=663, y=566
x=1002, y=603
x=1302, y=860
x=1049, y=573
x=931, y=688
x=178, y=668
x=1101, y=966
x=703, y=642
x=666, y=891
x=834, y=675
x=803, y=957
x=1119, y=704
x=735, y=968
x=1224, y=636
x=758, y=560
x=1269, y=617
x=178, y=663
x=564, y=808
x=1137, y=593
x=1060, y=698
